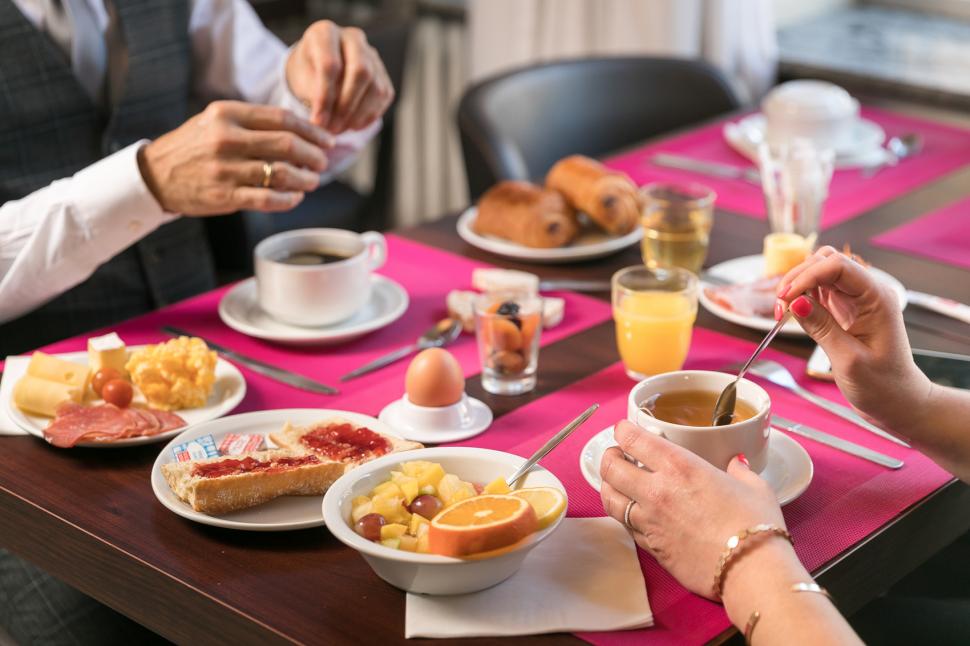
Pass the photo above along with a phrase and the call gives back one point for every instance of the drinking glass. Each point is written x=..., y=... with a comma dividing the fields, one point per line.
x=676, y=222
x=654, y=311
x=795, y=177
x=507, y=327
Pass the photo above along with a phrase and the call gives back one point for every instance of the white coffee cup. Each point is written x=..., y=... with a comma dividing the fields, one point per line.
x=816, y=110
x=716, y=444
x=322, y=294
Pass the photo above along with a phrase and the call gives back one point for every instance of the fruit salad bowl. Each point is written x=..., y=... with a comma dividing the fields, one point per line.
x=429, y=573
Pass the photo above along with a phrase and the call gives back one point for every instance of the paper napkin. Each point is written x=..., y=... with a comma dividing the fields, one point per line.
x=13, y=369
x=584, y=577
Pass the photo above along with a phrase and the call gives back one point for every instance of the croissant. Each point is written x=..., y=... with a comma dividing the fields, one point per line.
x=609, y=198
x=526, y=214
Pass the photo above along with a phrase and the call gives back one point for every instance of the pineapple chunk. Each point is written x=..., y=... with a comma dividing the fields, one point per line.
x=417, y=520
x=358, y=501
x=361, y=510
x=389, y=487
x=428, y=490
x=407, y=485
x=464, y=490
x=408, y=543
x=431, y=475
x=423, y=529
x=423, y=544
x=415, y=467
x=496, y=486
x=393, y=543
x=393, y=530
x=447, y=487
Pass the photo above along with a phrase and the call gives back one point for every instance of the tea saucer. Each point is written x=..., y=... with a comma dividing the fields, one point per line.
x=240, y=310
x=862, y=148
x=789, y=470
x=477, y=419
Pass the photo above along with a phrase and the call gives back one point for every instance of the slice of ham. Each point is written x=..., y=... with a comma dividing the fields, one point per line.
x=747, y=299
x=105, y=423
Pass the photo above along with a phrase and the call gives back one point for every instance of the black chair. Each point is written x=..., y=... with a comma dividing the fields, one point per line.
x=518, y=124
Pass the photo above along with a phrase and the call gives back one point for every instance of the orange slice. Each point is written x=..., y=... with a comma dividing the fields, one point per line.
x=480, y=524
x=548, y=503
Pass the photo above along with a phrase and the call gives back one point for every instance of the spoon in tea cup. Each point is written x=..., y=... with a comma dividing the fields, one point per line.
x=724, y=408
x=438, y=335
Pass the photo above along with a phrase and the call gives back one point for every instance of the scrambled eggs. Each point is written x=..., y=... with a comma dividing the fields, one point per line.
x=176, y=374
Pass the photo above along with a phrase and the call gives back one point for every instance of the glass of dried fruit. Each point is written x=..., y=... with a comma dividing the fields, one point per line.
x=507, y=326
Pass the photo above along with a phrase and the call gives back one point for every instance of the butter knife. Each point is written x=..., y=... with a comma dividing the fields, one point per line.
x=835, y=442
x=709, y=168
x=284, y=376
x=570, y=285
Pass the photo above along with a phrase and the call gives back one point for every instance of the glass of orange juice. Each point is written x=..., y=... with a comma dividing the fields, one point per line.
x=654, y=311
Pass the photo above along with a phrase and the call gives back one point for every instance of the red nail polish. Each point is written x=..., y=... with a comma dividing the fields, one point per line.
x=802, y=307
x=779, y=310
x=743, y=460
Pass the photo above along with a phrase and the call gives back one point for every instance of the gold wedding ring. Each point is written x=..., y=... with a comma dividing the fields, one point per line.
x=626, y=514
x=267, y=174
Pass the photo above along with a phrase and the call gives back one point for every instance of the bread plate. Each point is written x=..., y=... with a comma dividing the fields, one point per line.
x=749, y=268
x=591, y=244
x=228, y=390
x=285, y=513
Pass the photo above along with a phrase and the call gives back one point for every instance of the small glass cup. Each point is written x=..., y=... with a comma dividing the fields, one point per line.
x=676, y=221
x=654, y=311
x=795, y=177
x=507, y=326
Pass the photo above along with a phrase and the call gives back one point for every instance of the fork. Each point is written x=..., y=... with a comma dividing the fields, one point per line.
x=780, y=376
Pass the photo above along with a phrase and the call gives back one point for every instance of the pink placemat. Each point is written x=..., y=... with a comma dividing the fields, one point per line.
x=943, y=236
x=425, y=272
x=847, y=500
x=945, y=149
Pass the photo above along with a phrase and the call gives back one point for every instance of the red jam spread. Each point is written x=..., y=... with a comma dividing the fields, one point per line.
x=249, y=465
x=346, y=442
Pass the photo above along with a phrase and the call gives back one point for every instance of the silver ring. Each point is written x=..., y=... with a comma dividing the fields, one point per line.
x=626, y=514
x=267, y=174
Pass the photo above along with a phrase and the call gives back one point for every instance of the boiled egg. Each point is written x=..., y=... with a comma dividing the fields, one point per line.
x=434, y=379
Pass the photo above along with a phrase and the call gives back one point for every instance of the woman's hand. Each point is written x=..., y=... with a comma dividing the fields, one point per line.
x=686, y=508
x=857, y=321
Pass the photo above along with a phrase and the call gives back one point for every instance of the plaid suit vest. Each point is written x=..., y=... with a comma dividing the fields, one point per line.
x=50, y=129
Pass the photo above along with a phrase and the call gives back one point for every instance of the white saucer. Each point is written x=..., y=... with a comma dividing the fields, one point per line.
x=749, y=268
x=789, y=470
x=478, y=420
x=588, y=246
x=862, y=148
x=240, y=310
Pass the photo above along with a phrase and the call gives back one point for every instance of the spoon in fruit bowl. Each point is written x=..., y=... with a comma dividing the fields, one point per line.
x=438, y=335
x=550, y=445
x=724, y=408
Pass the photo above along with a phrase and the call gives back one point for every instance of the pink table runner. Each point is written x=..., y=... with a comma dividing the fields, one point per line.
x=426, y=273
x=943, y=236
x=848, y=499
x=945, y=149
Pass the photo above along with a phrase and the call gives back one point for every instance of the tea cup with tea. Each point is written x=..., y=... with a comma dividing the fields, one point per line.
x=679, y=406
x=316, y=277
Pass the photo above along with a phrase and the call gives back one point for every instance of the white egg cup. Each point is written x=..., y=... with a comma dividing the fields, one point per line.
x=433, y=425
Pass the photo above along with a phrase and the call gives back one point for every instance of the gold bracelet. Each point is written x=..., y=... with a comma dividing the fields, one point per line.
x=735, y=545
x=749, y=627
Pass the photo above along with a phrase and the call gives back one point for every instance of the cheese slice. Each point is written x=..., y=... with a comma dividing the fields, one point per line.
x=42, y=396
x=107, y=351
x=45, y=366
x=784, y=251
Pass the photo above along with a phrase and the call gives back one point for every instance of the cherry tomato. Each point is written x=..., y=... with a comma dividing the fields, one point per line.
x=118, y=392
x=103, y=376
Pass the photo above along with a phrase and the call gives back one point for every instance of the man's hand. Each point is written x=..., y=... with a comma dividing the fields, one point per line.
x=339, y=77
x=214, y=162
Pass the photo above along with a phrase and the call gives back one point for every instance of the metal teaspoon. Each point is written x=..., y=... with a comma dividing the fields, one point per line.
x=437, y=336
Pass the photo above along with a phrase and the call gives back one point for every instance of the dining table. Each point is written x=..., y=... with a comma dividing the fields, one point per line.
x=190, y=582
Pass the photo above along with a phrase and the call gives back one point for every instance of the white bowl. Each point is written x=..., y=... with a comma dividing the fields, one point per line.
x=430, y=573
x=816, y=110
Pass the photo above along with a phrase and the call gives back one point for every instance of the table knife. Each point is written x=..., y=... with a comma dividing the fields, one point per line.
x=940, y=305
x=566, y=284
x=709, y=168
x=836, y=442
x=284, y=376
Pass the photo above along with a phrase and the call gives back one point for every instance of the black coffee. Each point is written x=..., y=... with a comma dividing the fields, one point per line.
x=312, y=257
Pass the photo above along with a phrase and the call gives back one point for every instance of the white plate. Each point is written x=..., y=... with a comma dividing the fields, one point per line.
x=862, y=148
x=588, y=246
x=749, y=268
x=479, y=419
x=228, y=390
x=789, y=470
x=240, y=310
x=287, y=512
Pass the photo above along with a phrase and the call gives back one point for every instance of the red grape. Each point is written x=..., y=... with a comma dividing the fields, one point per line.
x=426, y=505
x=369, y=526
